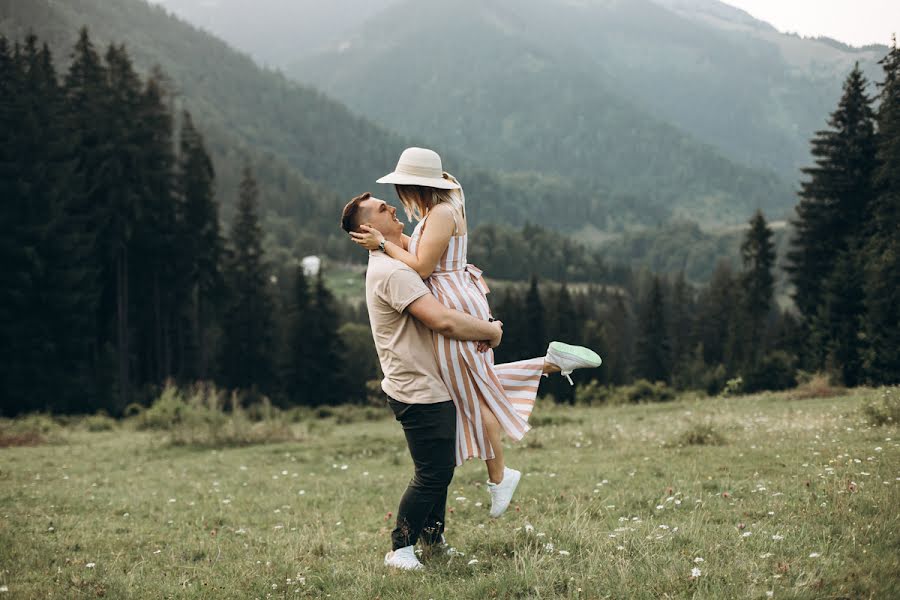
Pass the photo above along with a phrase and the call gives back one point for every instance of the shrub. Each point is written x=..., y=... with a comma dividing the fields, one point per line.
x=198, y=417
x=644, y=391
x=99, y=422
x=774, y=372
x=592, y=394
x=28, y=430
x=543, y=420
x=733, y=387
x=375, y=396
x=701, y=434
x=884, y=409
x=816, y=385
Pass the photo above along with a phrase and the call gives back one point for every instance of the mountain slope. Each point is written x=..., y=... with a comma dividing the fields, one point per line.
x=311, y=152
x=238, y=104
x=488, y=89
x=706, y=67
x=279, y=32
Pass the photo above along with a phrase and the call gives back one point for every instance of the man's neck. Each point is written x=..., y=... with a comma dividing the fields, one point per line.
x=396, y=239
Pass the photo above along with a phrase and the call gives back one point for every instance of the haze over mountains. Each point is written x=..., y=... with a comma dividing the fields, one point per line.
x=708, y=68
x=601, y=113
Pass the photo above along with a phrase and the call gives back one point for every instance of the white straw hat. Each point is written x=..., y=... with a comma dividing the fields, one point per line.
x=419, y=166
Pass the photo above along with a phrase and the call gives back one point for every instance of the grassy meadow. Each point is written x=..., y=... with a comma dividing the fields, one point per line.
x=763, y=496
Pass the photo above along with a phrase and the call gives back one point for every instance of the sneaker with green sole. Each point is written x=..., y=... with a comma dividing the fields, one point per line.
x=568, y=358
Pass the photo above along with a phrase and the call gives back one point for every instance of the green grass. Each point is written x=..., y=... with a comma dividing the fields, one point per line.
x=794, y=497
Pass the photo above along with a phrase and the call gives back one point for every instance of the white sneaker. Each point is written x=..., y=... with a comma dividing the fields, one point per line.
x=568, y=358
x=502, y=493
x=403, y=558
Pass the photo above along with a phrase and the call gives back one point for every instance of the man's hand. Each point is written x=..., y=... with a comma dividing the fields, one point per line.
x=489, y=344
x=370, y=238
x=494, y=341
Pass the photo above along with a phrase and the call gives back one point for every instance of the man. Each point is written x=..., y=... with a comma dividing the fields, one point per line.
x=403, y=314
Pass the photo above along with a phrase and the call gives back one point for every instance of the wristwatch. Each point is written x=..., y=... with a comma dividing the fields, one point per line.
x=381, y=245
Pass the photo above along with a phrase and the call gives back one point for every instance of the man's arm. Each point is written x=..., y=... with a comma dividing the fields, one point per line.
x=453, y=323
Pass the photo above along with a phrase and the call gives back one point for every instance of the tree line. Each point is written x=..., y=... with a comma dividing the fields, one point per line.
x=117, y=275
x=843, y=265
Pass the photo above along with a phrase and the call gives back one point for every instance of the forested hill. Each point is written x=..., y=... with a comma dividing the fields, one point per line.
x=709, y=69
x=317, y=136
x=310, y=152
x=497, y=87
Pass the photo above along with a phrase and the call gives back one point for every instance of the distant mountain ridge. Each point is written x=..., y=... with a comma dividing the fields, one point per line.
x=621, y=165
x=708, y=68
x=491, y=91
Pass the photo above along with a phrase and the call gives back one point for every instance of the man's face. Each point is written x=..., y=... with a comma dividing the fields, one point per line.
x=380, y=215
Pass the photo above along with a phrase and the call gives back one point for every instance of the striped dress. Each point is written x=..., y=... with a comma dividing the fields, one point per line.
x=472, y=378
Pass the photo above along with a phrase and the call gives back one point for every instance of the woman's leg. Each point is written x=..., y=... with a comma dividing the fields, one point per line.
x=550, y=368
x=494, y=432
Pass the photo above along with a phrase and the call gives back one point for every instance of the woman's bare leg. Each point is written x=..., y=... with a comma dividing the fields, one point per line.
x=494, y=433
x=550, y=368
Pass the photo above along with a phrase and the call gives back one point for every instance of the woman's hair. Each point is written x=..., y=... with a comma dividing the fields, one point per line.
x=417, y=200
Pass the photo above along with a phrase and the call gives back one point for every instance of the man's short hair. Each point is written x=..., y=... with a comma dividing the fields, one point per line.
x=350, y=216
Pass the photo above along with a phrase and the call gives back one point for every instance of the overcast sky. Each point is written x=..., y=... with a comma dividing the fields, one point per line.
x=855, y=22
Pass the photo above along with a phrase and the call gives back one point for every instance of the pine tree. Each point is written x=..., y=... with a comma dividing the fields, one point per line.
x=837, y=326
x=248, y=327
x=19, y=350
x=87, y=102
x=653, y=346
x=515, y=327
x=201, y=249
x=65, y=304
x=155, y=254
x=298, y=370
x=881, y=253
x=716, y=314
x=679, y=318
x=757, y=286
x=835, y=199
x=329, y=381
x=618, y=327
x=536, y=341
x=121, y=184
x=564, y=322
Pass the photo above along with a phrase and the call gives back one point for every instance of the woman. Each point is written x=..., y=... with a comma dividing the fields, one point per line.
x=490, y=399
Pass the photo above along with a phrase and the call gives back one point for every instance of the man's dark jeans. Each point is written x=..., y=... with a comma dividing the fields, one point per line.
x=430, y=431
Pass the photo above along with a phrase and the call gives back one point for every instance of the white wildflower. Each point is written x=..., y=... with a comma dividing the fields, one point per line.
x=695, y=572
x=90, y=565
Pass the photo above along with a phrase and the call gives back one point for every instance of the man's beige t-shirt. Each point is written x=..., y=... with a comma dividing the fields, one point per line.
x=404, y=344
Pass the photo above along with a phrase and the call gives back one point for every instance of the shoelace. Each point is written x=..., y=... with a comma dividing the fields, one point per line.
x=564, y=374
